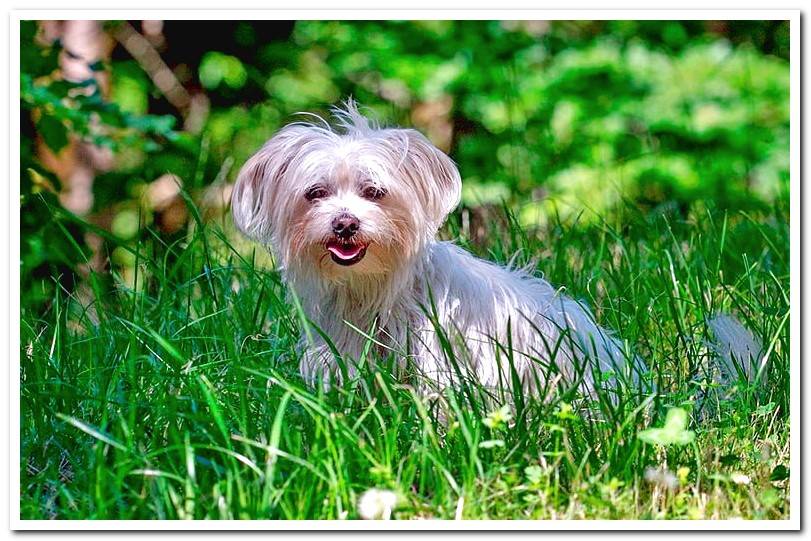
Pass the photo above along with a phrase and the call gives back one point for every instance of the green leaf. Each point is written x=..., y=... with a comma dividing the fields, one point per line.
x=779, y=473
x=534, y=474
x=765, y=409
x=498, y=418
x=34, y=58
x=674, y=432
x=769, y=498
x=489, y=444
x=53, y=132
x=729, y=460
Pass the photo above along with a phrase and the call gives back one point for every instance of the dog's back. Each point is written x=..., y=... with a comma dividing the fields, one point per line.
x=502, y=320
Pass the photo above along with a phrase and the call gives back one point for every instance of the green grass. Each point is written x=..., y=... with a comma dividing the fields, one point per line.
x=182, y=399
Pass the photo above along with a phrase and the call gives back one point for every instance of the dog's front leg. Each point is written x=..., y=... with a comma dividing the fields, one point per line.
x=319, y=367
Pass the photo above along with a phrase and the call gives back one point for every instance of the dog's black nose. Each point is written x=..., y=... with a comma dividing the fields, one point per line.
x=345, y=225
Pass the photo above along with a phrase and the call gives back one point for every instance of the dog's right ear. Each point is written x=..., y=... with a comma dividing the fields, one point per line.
x=253, y=199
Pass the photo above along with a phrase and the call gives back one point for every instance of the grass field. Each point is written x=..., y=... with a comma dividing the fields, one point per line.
x=182, y=399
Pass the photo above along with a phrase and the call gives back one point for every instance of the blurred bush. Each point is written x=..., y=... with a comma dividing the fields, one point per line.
x=542, y=115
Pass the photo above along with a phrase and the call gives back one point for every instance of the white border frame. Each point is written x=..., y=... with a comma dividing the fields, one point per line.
x=793, y=523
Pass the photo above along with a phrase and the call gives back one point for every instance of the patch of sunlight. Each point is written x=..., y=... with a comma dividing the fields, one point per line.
x=475, y=193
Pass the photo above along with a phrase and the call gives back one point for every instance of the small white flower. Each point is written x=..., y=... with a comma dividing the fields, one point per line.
x=740, y=479
x=662, y=477
x=376, y=504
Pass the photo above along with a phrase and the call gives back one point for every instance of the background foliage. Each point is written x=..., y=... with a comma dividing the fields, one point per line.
x=544, y=116
x=643, y=164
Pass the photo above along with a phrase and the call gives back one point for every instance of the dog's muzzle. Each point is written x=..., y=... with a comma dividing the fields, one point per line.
x=344, y=248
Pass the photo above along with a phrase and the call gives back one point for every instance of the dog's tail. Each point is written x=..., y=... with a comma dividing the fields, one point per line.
x=738, y=352
x=735, y=355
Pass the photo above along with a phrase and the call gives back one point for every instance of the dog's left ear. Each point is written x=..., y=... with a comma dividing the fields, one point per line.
x=432, y=174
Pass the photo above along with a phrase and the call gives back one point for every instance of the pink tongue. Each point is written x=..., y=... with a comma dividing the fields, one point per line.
x=343, y=251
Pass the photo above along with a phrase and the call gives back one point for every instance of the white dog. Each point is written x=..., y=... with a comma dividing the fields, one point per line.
x=351, y=216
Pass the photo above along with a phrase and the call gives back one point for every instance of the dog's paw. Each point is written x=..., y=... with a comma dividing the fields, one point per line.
x=318, y=368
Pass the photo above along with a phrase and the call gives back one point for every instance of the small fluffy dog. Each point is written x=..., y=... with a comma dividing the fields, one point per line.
x=351, y=215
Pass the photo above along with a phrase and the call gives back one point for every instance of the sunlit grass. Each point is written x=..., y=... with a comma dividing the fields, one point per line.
x=183, y=399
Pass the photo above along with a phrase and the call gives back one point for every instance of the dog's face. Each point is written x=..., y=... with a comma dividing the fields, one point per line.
x=360, y=202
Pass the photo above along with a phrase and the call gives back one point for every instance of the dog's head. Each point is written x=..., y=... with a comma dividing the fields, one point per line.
x=359, y=199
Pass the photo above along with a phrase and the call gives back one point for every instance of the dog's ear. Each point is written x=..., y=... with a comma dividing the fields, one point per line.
x=432, y=174
x=253, y=197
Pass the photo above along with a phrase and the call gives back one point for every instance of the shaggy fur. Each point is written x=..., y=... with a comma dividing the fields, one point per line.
x=416, y=292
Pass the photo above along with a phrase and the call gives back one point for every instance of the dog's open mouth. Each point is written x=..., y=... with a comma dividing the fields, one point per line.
x=346, y=253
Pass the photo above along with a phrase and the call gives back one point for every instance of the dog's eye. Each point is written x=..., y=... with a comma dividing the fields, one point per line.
x=316, y=192
x=373, y=192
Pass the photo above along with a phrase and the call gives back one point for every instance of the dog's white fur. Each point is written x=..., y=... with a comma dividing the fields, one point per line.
x=415, y=291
